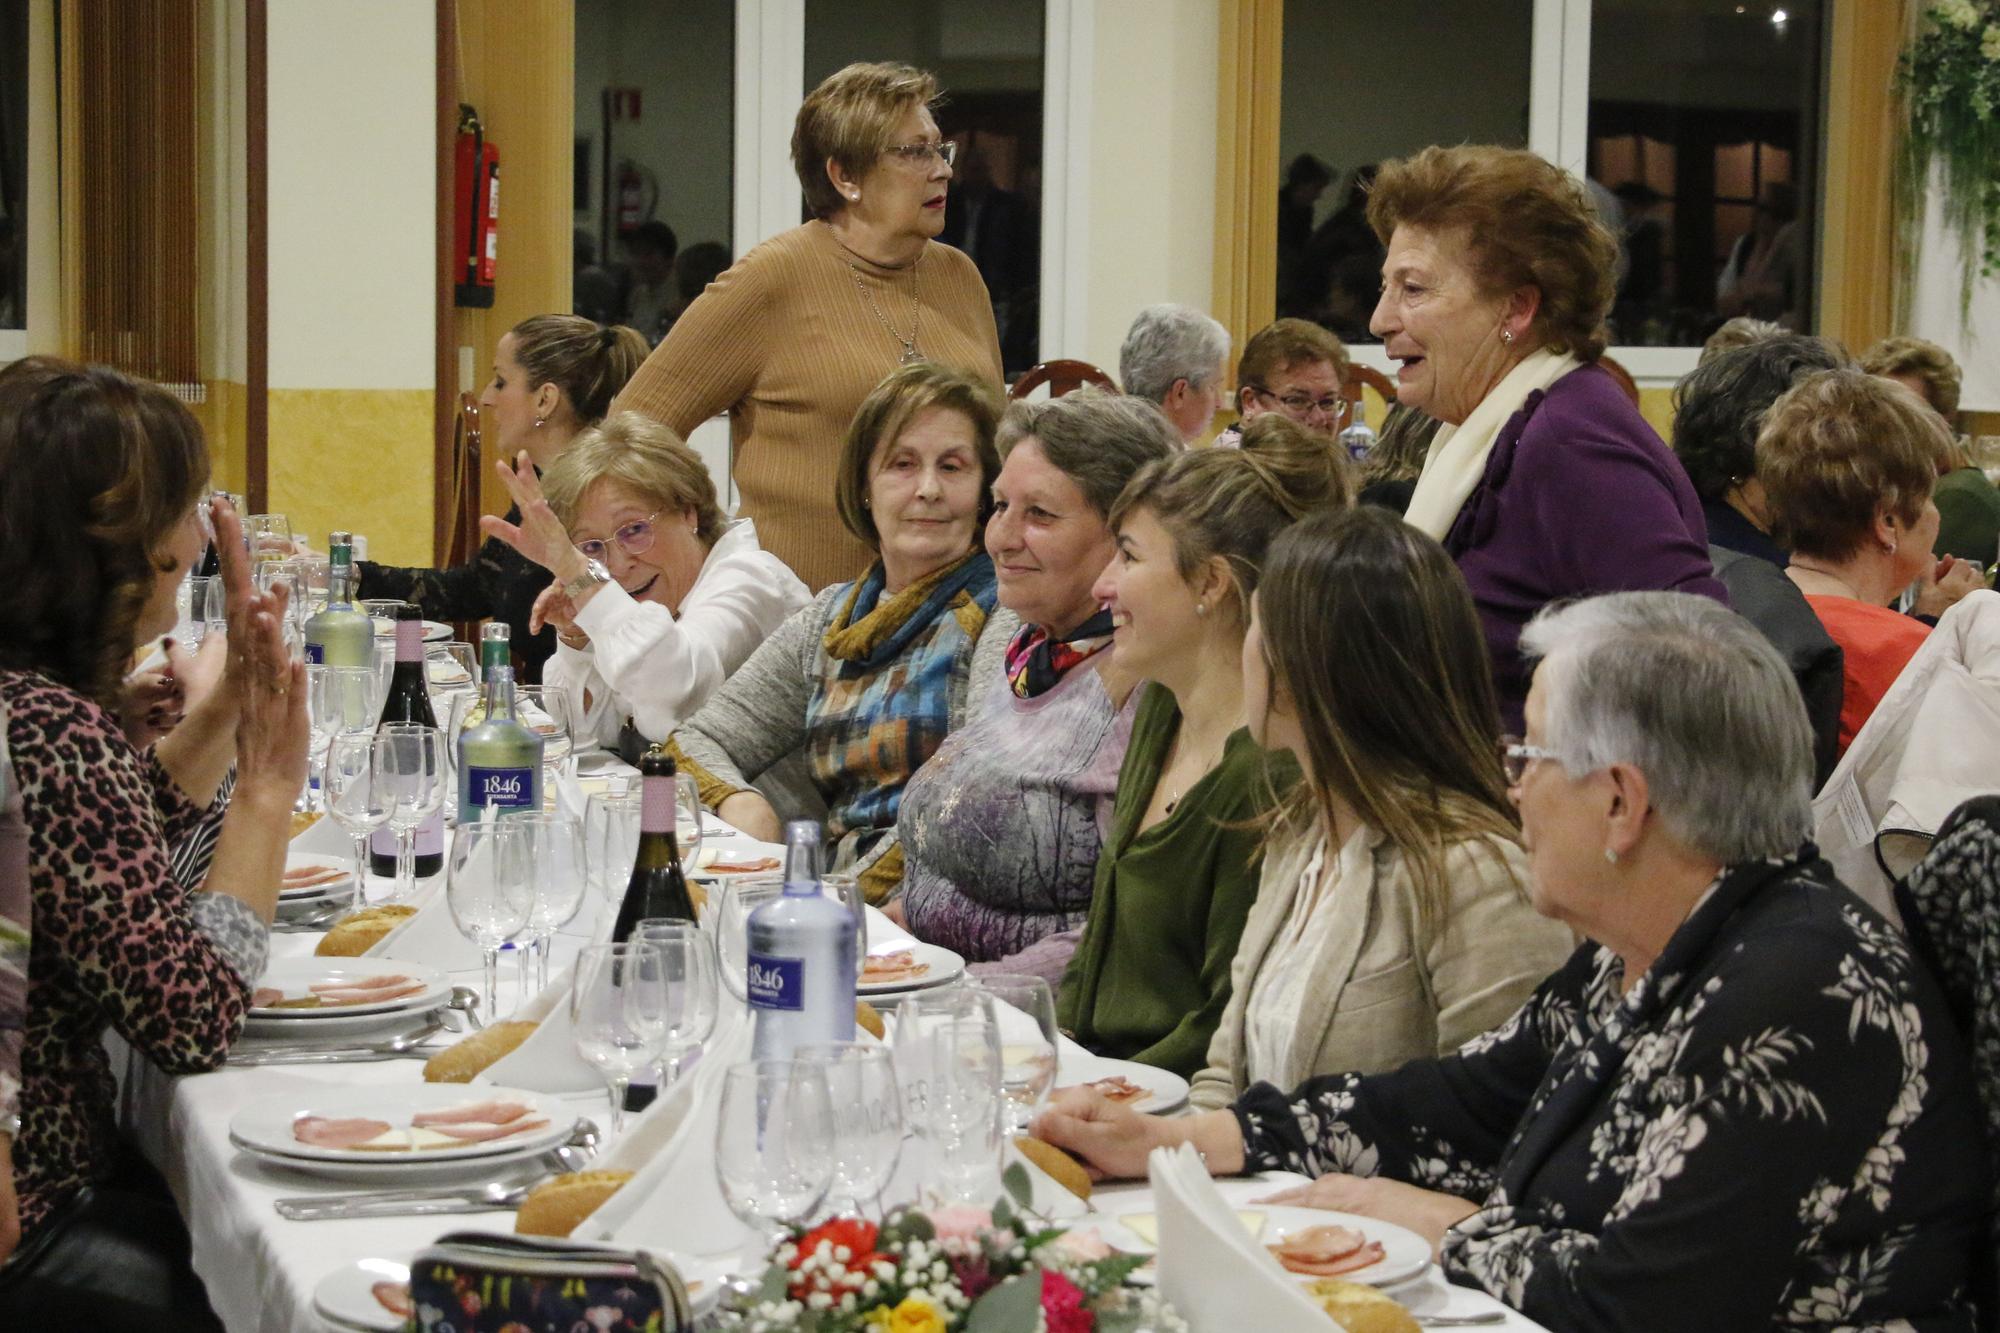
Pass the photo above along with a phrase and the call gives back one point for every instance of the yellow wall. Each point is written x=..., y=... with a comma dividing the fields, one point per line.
x=347, y=462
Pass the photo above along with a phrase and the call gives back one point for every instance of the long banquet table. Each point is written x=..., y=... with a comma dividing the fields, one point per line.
x=261, y=1270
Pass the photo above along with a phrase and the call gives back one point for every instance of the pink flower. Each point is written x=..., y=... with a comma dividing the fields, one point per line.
x=960, y=1222
x=1084, y=1246
x=1062, y=1305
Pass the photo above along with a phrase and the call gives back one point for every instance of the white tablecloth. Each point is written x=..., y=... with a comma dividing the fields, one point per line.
x=261, y=1270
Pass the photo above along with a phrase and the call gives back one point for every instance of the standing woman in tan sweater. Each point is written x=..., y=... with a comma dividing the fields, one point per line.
x=796, y=334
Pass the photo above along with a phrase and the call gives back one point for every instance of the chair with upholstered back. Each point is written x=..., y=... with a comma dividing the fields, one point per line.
x=462, y=545
x=1062, y=376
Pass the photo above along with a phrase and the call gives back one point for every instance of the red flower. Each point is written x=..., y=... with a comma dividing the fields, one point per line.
x=855, y=1233
x=1062, y=1305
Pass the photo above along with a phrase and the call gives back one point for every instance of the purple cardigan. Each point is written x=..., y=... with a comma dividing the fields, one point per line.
x=1579, y=497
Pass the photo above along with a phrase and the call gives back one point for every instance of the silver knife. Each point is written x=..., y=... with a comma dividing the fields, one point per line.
x=403, y=1203
x=323, y=1056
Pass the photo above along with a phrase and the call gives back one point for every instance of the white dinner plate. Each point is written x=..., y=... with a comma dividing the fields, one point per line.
x=435, y=631
x=295, y=976
x=1405, y=1254
x=1168, y=1090
x=346, y=1296
x=944, y=967
x=318, y=892
x=264, y=1128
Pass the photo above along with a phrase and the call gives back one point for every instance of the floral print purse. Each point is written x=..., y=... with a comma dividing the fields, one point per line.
x=477, y=1282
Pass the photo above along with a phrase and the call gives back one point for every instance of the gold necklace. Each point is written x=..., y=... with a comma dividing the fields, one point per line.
x=1174, y=796
x=910, y=352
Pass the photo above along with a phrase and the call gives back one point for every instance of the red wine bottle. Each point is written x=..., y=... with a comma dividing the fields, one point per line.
x=657, y=887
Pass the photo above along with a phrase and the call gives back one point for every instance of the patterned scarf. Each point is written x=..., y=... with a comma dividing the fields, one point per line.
x=1036, y=660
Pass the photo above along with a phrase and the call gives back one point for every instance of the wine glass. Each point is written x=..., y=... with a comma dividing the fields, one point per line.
x=1028, y=1046
x=336, y=703
x=740, y=896
x=489, y=890
x=353, y=795
x=205, y=612
x=611, y=837
x=452, y=666
x=947, y=1057
x=688, y=820
x=270, y=537
x=867, y=1122
x=556, y=868
x=618, y=1013
x=846, y=887
x=410, y=759
x=285, y=574
x=689, y=954
x=544, y=709
x=773, y=1147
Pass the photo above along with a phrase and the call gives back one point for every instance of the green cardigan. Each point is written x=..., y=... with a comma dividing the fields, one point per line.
x=1150, y=977
x=1969, y=516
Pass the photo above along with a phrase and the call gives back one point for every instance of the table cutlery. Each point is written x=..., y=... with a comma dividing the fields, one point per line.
x=507, y=1192
x=1461, y=1320
x=404, y=1047
x=463, y=1007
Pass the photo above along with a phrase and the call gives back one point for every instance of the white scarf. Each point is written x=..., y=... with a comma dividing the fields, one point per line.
x=1457, y=459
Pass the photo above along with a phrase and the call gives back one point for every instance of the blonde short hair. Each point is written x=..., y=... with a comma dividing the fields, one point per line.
x=1927, y=361
x=889, y=408
x=645, y=458
x=851, y=118
x=1836, y=448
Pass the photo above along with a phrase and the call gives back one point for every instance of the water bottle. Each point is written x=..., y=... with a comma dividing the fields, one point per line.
x=1358, y=439
x=801, y=968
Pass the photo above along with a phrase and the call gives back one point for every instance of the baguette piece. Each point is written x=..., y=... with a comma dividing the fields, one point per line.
x=358, y=932
x=1058, y=1165
x=556, y=1207
x=460, y=1061
x=1360, y=1308
x=869, y=1019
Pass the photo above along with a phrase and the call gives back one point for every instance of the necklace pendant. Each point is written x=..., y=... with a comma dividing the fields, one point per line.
x=910, y=355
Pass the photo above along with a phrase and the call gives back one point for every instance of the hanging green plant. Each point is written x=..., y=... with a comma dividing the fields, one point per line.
x=1949, y=78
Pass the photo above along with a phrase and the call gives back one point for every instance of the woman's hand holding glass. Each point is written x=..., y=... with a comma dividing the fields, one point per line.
x=410, y=760
x=618, y=1009
x=354, y=796
x=262, y=687
x=774, y=1154
x=688, y=954
x=490, y=890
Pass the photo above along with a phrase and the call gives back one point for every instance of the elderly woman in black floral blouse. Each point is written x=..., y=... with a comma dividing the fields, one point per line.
x=1745, y=1108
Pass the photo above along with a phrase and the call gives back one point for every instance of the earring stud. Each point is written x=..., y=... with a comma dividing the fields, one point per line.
x=1611, y=856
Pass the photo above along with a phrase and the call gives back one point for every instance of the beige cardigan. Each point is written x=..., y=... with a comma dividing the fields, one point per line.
x=1381, y=994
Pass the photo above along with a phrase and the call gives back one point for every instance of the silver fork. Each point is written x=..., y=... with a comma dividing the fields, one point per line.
x=404, y=1047
x=573, y=1154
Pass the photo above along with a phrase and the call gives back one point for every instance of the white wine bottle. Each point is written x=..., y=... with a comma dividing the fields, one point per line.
x=499, y=760
x=339, y=635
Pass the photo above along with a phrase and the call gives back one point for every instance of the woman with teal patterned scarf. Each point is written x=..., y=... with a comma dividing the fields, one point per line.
x=866, y=682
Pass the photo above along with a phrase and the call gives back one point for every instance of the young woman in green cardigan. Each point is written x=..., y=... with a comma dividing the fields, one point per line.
x=1177, y=875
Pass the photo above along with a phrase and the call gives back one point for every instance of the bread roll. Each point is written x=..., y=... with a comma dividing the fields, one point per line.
x=1058, y=1165
x=869, y=1018
x=458, y=1062
x=1360, y=1308
x=555, y=1208
x=358, y=932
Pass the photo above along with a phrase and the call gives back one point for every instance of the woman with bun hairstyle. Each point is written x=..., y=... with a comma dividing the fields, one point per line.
x=1177, y=875
x=553, y=376
x=1392, y=919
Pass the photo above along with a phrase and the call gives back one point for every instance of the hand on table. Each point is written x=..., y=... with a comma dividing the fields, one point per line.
x=1427, y=1212
x=753, y=814
x=1111, y=1139
x=1944, y=584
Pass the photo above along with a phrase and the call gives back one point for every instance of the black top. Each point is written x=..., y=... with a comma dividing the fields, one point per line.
x=1731, y=531
x=499, y=584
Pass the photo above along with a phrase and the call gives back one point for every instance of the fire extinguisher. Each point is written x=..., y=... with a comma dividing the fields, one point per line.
x=631, y=199
x=476, y=211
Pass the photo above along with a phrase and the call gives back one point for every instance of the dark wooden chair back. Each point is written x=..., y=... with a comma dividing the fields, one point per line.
x=467, y=472
x=1062, y=376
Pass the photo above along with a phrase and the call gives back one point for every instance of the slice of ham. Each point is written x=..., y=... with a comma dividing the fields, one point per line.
x=309, y=877
x=476, y=1133
x=366, y=983
x=1326, y=1251
x=325, y=1132
x=265, y=996
x=375, y=995
x=901, y=965
x=393, y=1297
x=1119, y=1088
x=742, y=867
x=487, y=1113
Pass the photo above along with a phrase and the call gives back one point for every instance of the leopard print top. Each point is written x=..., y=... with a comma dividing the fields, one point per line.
x=116, y=942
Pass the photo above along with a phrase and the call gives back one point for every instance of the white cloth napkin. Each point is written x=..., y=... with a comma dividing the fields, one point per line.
x=431, y=936
x=547, y=1060
x=1215, y=1275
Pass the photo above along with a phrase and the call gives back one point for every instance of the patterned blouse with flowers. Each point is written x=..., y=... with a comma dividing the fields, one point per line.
x=117, y=943
x=1775, y=1127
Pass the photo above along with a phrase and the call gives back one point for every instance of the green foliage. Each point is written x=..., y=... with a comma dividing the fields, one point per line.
x=1015, y=1306
x=1949, y=79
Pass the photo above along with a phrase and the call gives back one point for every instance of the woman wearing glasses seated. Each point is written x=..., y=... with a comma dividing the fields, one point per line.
x=797, y=333
x=657, y=597
x=1293, y=367
x=1747, y=1107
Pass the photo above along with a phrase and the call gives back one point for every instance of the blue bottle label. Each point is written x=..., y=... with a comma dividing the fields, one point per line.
x=508, y=788
x=315, y=653
x=777, y=983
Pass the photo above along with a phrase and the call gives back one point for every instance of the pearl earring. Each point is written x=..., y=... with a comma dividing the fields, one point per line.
x=1611, y=856
x=1201, y=608
x=539, y=423
x=1506, y=335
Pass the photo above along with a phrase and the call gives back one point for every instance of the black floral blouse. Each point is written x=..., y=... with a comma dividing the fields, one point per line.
x=500, y=583
x=1775, y=1128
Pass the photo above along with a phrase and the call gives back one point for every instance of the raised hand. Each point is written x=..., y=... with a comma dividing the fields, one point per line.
x=540, y=536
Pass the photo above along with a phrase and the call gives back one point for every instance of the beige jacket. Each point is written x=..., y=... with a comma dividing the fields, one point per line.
x=1382, y=995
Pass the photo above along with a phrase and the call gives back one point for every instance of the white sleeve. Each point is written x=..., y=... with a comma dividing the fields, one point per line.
x=574, y=672
x=661, y=669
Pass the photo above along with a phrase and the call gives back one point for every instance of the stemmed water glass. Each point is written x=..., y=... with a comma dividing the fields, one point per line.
x=489, y=891
x=689, y=956
x=867, y=1122
x=354, y=796
x=611, y=838
x=618, y=1013
x=410, y=759
x=773, y=1147
x=544, y=710
x=947, y=1056
x=730, y=921
x=204, y=612
x=337, y=702
x=1028, y=1044
x=270, y=537
x=556, y=870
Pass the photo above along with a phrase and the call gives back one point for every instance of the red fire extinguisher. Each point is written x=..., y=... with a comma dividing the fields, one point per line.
x=476, y=211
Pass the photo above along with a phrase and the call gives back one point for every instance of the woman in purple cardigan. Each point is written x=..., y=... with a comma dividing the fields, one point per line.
x=1545, y=483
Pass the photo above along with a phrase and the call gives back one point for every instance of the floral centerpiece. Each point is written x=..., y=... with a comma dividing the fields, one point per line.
x=1004, y=1270
x=1949, y=77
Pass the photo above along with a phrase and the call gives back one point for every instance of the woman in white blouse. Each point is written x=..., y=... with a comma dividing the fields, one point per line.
x=1391, y=919
x=657, y=597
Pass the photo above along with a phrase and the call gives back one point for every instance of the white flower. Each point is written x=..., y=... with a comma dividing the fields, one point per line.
x=1989, y=42
x=1957, y=13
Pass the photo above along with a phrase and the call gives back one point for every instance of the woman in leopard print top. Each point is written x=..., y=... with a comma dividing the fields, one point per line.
x=99, y=520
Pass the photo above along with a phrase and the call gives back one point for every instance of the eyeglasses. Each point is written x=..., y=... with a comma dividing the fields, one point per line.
x=1298, y=404
x=919, y=155
x=1516, y=755
x=636, y=538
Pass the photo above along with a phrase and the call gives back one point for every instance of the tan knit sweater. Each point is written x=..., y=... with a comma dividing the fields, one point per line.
x=786, y=344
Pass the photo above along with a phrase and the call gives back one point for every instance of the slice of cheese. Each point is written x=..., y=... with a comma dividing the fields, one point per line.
x=1146, y=1226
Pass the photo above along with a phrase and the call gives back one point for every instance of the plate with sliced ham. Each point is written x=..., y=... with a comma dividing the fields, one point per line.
x=394, y=1129
x=1144, y=1088
x=299, y=993
x=1309, y=1243
x=371, y=1294
x=907, y=966
x=312, y=877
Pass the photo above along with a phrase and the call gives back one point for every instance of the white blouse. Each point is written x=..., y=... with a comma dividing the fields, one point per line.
x=645, y=664
x=1278, y=995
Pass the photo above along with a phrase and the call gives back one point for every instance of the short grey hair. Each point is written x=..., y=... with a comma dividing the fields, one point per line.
x=1693, y=696
x=1168, y=343
x=1098, y=440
